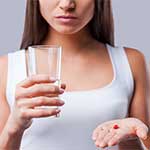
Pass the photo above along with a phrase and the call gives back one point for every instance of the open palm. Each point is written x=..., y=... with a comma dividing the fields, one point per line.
x=112, y=132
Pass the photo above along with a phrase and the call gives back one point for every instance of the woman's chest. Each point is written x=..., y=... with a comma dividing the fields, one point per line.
x=108, y=102
x=79, y=77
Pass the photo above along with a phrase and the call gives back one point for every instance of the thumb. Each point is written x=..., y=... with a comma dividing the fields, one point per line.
x=142, y=132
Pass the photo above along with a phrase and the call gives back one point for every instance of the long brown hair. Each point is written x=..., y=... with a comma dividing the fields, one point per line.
x=36, y=28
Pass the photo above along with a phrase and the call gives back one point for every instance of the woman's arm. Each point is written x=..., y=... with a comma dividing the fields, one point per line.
x=10, y=139
x=6, y=133
x=112, y=132
x=139, y=107
x=29, y=94
x=4, y=108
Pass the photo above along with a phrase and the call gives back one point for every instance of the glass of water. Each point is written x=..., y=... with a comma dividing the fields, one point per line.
x=45, y=59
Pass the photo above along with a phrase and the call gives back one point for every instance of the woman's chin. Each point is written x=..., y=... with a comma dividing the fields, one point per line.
x=66, y=31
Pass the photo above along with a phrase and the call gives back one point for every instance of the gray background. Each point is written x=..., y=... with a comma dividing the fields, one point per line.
x=132, y=26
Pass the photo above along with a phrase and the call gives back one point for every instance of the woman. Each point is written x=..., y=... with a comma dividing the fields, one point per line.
x=104, y=91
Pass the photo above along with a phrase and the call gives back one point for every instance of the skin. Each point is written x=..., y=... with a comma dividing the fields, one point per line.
x=77, y=52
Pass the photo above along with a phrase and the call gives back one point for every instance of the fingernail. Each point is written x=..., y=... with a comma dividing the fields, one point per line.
x=57, y=110
x=61, y=90
x=102, y=144
x=110, y=144
x=61, y=102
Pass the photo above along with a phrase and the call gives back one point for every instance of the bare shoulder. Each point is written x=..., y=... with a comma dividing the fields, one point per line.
x=134, y=54
x=3, y=58
x=4, y=107
x=3, y=73
x=136, y=60
x=3, y=61
x=3, y=65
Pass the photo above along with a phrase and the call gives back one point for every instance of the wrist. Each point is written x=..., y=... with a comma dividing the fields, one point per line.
x=10, y=139
x=12, y=131
x=13, y=128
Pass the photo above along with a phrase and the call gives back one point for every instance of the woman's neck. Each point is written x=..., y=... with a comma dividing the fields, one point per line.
x=72, y=44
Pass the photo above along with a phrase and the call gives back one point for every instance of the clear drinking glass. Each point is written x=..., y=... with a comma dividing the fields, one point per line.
x=45, y=59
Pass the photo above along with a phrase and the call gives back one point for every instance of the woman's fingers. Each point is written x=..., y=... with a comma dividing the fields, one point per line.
x=100, y=139
x=140, y=129
x=142, y=132
x=95, y=134
x=38, y=113
x=107, y=138
x=33, y=93
x=39, y=101
x=39, y=90
x=121, y=134
x=98, y=129
x=117, y=138
x=36, y=79
x=104, y=137
x=117, y=130
x=63, y=86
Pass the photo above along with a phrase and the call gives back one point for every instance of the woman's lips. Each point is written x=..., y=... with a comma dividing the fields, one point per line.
x=66, y=19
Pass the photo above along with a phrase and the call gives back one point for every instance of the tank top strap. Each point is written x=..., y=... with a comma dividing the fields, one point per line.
x=16, y=73
x=122, y=67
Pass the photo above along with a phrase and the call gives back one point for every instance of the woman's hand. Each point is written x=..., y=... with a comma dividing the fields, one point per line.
x=33, y=92
x=112, y=132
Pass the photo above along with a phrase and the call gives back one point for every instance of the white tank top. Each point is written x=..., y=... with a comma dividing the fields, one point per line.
x=73, y=129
